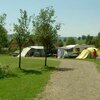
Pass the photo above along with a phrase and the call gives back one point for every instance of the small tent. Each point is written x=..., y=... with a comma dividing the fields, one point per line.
x=68, y=51
x=32, y=51
x=88, y=53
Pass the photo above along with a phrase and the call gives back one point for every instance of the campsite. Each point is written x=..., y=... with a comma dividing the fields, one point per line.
x=50, y=50
x=70, y=51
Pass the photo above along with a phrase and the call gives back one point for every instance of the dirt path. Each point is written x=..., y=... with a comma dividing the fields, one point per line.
x=78, y=80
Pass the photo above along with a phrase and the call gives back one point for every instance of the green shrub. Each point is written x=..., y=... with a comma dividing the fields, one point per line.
x=5, y=71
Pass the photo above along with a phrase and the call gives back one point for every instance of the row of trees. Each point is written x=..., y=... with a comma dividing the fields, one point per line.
x=65, y=41
x=44, y=29
x=91, y=40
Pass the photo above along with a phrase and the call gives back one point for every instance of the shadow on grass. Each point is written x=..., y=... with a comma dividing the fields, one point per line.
x=8, y=75
x=58, y=69
x=31, y=71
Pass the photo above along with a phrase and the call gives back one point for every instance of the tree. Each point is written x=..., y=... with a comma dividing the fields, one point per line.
x=97, y=41
x=59, y=43
x=2, y=19
x=89, y=40
x=22, y=31
x=45, y=29
x=79, y=38
x=3, y=32
x=3, y=37
x=30, y=41
x=70, y=41
x=83, y=37
x=13, y=45
x=65, y=39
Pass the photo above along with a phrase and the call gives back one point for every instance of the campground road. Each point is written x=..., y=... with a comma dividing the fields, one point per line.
x=77, y=80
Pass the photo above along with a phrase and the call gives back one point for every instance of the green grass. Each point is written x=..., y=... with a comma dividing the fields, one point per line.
x=98, y=64
x=26, y=84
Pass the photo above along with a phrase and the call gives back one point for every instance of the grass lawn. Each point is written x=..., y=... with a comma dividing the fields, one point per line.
x=25, y=84
x=98, y=64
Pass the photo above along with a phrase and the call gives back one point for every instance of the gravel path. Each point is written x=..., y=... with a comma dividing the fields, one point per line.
x=77, y=80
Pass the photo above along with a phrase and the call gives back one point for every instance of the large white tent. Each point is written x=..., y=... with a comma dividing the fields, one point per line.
x=32, y=49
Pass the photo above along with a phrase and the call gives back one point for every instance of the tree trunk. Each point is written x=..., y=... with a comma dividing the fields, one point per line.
x=20, y=57
x=46, y=60
x=45, y=57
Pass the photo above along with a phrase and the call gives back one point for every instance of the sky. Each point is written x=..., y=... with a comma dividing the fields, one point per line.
x=79, y=17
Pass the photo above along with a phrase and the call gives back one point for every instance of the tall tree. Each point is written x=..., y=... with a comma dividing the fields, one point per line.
x=2, y=19
x=70, y=41
x=45, y=29
x=83, y=37
x=97, y=41
x=3, y=32
x=22, y=31
x=89, y=40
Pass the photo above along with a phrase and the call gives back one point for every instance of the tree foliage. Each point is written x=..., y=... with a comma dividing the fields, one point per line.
x=45, y=29
x=93, y=40
x=3, y=32
x=22, y=31
x=70, y=41
x=2, y=19
x=59, y=43
x=3, y=37
x=90, y=40
x=84, y=37
x=97, y=41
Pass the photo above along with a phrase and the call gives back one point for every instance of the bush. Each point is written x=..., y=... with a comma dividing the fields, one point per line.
x=5, y=72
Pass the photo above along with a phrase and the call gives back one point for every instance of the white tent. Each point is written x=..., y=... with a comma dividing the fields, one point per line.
x=30, y=50
x=71, y=46
x=66, y=50
x=60, y=53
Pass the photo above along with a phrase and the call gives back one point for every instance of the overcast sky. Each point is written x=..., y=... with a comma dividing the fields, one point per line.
x=79, y=17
